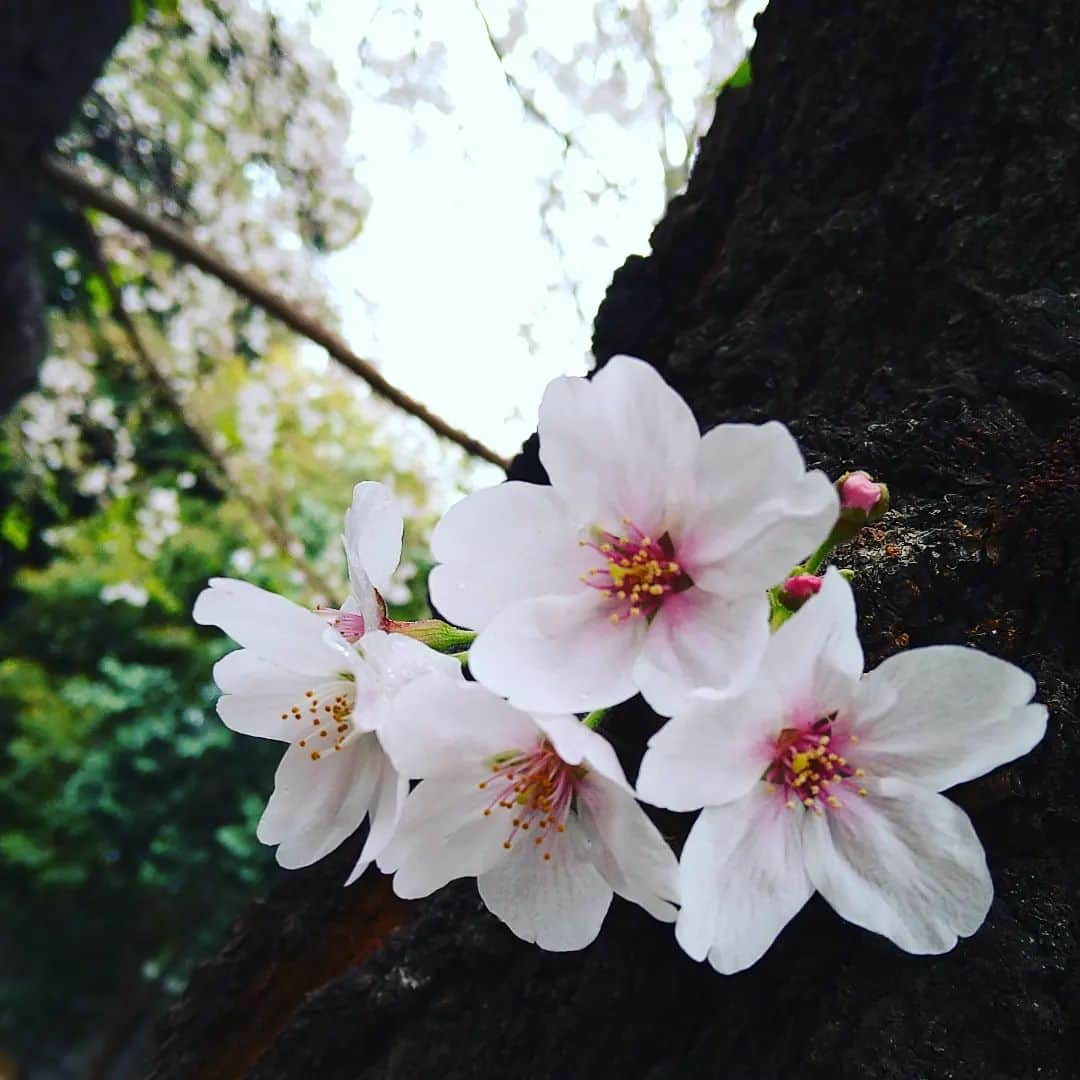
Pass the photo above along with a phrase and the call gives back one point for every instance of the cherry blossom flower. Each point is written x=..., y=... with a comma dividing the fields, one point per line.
x=295, y=679
x=535, y=807
x=820, y=778
x=644, y=566
x=373, y=529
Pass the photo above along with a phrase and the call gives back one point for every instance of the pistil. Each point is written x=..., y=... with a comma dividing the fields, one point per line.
x=537, y=788
x=638, y=572
x=808, y=770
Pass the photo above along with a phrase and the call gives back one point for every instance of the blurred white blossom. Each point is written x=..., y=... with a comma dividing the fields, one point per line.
x=125, y=592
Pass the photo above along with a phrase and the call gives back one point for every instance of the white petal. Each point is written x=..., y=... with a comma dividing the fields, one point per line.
x=575, y=743
x=714, y=750
x=502, y=545
x=741, y=880
x=260, y=696
x=388, y=663
x=443, y=835
x=316, y=805
x=363, y=600
x=386, y=807
x=558, y=904
x=627, y=848
x=275, y=629
x=242, y=672
x=441, y=728
x=814, y=660
x=756, y=512
x=373, y=528
x=700, y=639
x=941, y=715
x=903, y=862
x=557, y=654
x=622, y=445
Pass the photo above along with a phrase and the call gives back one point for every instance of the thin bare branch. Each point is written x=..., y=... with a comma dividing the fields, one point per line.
x=172, y=239
x=266, y=521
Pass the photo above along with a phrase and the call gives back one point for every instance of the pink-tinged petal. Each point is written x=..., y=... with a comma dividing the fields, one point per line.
x=558, y=654
x=373, y=528
x=442, y=728
x=942, y=715
x=741, y=879
x=627, y=848
x=502, y=545
x=756, y=510
x=903, y=862
x=316, y=805
x=699, y=639
x=859, y=492
x=714, y=750
x=275, y=629
x=575, y=743
x=559, y=904
x=622, y=445
x=814, y=660
x=442, y=835
x=386, y=807
x=361, y=612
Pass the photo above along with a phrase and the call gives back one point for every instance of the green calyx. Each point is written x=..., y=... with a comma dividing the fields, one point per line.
x=435, y=634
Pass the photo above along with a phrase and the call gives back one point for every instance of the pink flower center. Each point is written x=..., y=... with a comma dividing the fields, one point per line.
x=637, y=574
x=326, y=714
x=537, y=789
x=807, y=768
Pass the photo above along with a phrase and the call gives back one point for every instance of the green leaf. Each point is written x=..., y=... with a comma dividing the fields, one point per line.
x=15, y=527
x=739, y=78
x=98, y=293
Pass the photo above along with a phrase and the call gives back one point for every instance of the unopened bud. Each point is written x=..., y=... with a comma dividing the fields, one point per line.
x=858, y=491
x=797, y=589
x=862, y=501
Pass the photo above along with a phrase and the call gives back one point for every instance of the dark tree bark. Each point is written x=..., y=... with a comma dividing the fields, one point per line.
x=50, y=55
x=879, y=246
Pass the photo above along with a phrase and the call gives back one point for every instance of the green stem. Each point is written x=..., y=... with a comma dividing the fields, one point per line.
x=813, y=564
x=594, y=718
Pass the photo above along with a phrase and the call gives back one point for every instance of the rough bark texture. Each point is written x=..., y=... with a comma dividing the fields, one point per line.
x=878, y=246
x=50, y=55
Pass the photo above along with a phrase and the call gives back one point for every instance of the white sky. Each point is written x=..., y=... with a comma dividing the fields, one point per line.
x=452, y=262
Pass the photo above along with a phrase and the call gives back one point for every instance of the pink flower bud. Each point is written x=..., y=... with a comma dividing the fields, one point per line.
x=859, y=492
x=802, y=586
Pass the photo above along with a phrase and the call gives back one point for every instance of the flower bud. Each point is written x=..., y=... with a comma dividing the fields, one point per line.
x=797, y=589
x=862, y=500
x=858, y=491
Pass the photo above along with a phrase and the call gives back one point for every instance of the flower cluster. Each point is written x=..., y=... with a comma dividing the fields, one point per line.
x=660, y=562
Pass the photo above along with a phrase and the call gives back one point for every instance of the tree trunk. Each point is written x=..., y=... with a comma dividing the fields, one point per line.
x=879, y=246
x=50, y=55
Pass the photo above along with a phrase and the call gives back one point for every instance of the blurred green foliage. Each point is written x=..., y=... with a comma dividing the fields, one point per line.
x=127, y=810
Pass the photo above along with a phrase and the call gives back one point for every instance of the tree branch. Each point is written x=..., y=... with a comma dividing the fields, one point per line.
x=168, y=237
x=262, y=516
